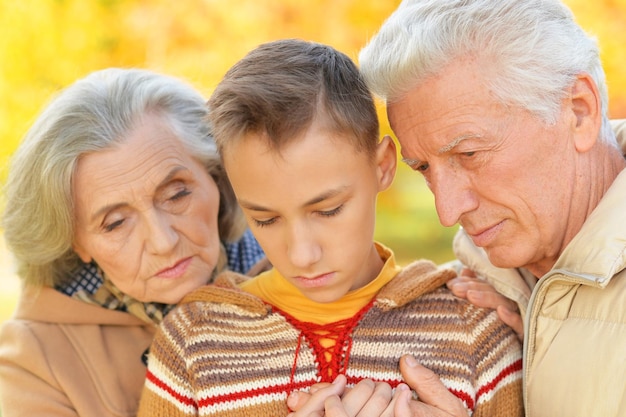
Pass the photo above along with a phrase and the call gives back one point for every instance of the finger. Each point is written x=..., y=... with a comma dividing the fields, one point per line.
x=378, y=402
x=296, y=400
x=306, y=404
x=390, y=410
x=334, y=407
x=402, y=403
x=471, y=284
x=316, y=387
x=311, y=414
x=512, y=319
x=355, y=399
x=490, y=299
x=467, y=272
x=429, y=388
x=461, y=284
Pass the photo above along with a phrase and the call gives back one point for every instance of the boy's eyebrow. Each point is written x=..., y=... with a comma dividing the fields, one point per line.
x=326, y=195
x=317, y=199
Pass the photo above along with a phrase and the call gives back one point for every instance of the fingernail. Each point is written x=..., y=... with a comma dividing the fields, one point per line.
x=475, y=295
x=410, y=361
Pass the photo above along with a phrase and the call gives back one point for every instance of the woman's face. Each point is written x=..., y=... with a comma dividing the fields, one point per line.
x=146, y=212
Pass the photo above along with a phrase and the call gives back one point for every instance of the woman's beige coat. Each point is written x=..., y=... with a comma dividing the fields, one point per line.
x=64, y=357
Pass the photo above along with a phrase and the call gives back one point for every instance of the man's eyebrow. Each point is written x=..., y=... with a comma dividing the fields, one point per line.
x=455, y=142
x=411, y=162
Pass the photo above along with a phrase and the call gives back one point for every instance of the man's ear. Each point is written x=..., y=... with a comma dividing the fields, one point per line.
x=386, y=162
x=584, y=103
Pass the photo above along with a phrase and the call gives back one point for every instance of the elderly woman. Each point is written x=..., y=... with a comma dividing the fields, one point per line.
x=117, y=207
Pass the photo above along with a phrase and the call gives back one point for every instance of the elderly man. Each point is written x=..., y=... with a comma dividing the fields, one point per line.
x=502, y=106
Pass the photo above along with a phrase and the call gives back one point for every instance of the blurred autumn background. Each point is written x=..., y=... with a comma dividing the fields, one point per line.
x=47, y=44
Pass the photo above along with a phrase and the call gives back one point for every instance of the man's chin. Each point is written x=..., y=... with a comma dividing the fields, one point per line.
x=504, y=257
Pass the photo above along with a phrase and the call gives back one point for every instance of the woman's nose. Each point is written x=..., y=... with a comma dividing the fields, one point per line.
x=161, y=237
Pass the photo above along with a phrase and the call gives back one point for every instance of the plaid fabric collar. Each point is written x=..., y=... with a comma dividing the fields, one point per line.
x=90, y=285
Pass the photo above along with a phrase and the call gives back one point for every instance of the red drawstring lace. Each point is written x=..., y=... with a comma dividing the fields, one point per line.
x=331, y=343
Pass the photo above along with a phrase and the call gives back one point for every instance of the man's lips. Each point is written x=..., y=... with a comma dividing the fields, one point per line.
x=175, y=271
x=485, y=236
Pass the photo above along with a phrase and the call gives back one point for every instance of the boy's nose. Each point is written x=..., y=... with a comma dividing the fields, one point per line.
x=304, y=250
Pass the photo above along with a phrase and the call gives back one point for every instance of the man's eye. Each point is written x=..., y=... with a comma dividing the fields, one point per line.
x=415, y=164
x=421, y=167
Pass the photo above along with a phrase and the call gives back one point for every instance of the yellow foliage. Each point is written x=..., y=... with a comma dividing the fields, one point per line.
x=47, y=44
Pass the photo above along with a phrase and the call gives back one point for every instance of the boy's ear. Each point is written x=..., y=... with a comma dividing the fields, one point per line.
x=584, y=104
x=386, y=162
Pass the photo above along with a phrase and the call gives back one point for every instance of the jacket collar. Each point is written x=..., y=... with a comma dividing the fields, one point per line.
x=598, y=251
x=48, y=305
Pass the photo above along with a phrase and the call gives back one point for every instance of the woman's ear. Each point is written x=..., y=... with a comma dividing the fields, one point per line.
x=585, y=105
x=386, y=162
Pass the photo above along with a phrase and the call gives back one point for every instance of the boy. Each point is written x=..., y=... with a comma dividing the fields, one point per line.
x=298, y=133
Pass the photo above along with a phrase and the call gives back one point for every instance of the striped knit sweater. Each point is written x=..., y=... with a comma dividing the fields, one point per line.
x=224, y=352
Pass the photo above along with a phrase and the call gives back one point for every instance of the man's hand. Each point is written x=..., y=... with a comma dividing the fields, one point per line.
x=482, y=294
x=434, y=399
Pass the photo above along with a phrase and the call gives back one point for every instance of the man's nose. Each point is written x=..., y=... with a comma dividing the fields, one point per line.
x=453, y=195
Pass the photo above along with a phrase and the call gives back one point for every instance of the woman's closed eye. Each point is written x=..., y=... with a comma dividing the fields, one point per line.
x=180, y=194
x=109, y=227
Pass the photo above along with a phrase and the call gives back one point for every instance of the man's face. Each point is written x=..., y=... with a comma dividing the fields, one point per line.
x=498, y=171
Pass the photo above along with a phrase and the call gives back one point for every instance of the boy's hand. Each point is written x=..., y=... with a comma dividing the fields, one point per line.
x=482, y=294
x=365, y=399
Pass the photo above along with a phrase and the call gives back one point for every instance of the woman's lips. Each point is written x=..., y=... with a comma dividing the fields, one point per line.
x=175, y=271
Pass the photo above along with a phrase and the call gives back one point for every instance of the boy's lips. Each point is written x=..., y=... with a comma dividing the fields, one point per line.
x=316, y=281
x=176, y=270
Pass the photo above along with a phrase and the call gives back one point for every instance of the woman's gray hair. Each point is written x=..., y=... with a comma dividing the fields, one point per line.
x=532, y=51
x=91, y=115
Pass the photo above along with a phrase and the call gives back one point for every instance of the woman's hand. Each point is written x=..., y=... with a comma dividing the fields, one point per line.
x=482, y=294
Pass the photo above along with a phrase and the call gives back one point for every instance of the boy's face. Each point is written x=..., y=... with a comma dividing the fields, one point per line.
x=312, y=207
